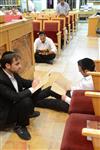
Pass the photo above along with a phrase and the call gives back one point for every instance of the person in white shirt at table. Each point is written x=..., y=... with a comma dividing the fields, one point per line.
x=44, y=48
x=62, y=8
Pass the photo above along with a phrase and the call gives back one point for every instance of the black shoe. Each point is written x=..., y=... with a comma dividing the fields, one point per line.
x=34, y=114
x=22, y=132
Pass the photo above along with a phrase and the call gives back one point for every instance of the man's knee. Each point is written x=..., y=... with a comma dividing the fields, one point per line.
x=26, y=103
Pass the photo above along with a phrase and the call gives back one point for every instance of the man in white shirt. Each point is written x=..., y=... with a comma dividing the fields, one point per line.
x=45, y=49
x=61, y=103
x=62, y=8
x=86, y=83
x=31, y=6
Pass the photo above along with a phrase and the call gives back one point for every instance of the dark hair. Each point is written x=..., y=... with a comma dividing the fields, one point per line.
x=7, y=57
x=87, y=63
x=41, y=33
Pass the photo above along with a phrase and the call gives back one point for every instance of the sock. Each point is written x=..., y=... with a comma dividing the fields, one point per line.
x=68, y=100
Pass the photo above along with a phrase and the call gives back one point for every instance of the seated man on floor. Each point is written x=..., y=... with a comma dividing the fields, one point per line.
x=62, y=102
x=45, y=49
x=86, y=83
x=16, y=105
x=18, y=97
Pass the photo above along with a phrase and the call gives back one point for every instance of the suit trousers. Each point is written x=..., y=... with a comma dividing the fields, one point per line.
x=40, y=99
x=20, y=111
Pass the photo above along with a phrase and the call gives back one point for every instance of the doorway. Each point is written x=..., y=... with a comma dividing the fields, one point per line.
x=50, y=4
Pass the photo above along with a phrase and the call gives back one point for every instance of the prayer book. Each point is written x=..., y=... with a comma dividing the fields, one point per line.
x=61, y=85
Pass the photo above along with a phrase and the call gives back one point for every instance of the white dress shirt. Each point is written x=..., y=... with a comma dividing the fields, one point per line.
x=85, y=83
x=63, y=9
x=14, y=82
x=48, y=44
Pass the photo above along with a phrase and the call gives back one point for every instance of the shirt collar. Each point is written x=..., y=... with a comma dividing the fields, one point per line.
x=10, y=76
x=88, y=77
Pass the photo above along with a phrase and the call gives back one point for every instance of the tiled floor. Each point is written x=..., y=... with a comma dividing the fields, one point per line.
x=47, y=129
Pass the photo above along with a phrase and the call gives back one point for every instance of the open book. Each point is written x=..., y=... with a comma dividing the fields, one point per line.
x=61, y=85
x=43, y=81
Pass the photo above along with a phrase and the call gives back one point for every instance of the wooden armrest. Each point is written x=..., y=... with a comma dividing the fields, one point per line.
x=93, y=94
x=91, y=132
x=95, y=134
x=97, y=60
x=95, y=100
x=64, y=28
x=59, y=33
x=93, y=73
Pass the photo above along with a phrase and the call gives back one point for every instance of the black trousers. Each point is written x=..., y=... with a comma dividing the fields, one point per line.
x=40, y=99
x=20, y=111
x=44, y=58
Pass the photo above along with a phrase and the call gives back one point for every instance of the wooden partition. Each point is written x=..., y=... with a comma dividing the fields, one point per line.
x=95, y=100
x=97, y=64
x=96, y=79
x=92, y=26
x=18, y=35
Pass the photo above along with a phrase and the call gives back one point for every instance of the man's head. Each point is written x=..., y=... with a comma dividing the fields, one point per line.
x=42, y=36
x=62, y=2
x=10, y=61
x=86, y=65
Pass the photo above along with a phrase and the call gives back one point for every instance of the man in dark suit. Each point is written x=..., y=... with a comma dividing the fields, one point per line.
x=16, y=103
x=17, y=96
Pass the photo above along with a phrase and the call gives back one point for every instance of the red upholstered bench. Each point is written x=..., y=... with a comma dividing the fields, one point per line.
x=9, y=18
x=81, y=103
x=73, y=138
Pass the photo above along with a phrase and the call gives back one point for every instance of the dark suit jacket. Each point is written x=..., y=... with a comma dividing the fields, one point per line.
x=8, y=94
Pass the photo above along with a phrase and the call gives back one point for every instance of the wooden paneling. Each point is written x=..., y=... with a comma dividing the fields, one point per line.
x=18, y=35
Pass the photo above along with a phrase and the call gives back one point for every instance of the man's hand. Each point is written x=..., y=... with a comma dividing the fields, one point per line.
x=44, y=52
x=35, y=83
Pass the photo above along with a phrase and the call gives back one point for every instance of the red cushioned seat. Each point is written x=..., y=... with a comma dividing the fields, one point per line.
x=37, y=27
x=51, y=29
x=81, y=103
x=72, y=137
x=9, y=18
